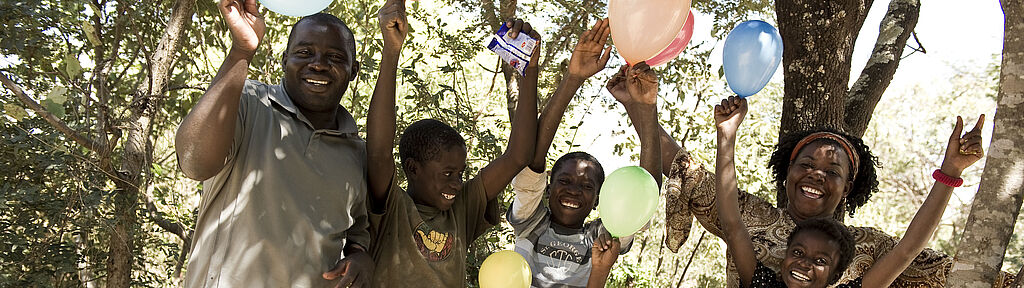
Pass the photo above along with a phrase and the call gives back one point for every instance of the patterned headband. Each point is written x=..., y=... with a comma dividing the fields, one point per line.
x=847, y=146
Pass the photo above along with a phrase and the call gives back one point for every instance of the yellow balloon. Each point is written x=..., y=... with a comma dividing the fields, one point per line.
x=505, y=269
x=643, y=28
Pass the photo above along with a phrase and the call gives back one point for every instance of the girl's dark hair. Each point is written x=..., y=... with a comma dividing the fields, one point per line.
x=864, y=184
x=423, y=140
x=581, y=156
x=835, y=231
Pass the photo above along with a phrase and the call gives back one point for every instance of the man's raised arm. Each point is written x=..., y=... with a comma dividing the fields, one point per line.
x=204, y=138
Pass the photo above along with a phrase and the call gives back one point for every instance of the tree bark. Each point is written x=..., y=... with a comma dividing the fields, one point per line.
x=137, y=150
x=893, y=32
x=817, y=39
x=983, y=244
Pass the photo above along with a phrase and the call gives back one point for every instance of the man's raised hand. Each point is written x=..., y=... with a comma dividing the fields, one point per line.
x=245, y=23
x=394, y=25
x=587, y=58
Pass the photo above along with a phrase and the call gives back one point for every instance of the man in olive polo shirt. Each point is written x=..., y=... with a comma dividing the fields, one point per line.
x=283, y=169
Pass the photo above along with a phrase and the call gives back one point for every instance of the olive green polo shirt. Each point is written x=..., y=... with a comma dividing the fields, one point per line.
x=286, y=202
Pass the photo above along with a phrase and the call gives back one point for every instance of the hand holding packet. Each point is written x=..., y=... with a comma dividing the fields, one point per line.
x=516, y=52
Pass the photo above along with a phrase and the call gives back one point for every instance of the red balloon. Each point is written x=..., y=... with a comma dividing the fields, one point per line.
x=677, y=46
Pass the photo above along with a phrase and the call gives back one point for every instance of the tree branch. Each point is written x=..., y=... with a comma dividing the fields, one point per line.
x=57, y=123
x=896, y=27
x=174, y=227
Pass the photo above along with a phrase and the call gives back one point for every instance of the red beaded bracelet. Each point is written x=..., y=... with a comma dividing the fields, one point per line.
x=946, y=179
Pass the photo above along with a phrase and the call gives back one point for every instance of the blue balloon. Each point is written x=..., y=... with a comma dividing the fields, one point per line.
x=296, y=8
x=751, y=54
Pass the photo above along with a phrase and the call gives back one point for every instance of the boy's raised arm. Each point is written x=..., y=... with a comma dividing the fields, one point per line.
x=203, y=140
x=587, y=59
x=380, y=122
x=523, y=138
x=961, y=152
x=728, y=116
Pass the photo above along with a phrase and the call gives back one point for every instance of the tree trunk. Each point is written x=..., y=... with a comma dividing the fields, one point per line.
x=137, y=148
x=983, y=244
x=817, y=40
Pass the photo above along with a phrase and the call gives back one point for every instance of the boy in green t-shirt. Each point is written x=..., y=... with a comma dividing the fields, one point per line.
x=421, y=234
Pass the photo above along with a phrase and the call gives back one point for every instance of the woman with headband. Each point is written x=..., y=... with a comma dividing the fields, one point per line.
x=823, y=173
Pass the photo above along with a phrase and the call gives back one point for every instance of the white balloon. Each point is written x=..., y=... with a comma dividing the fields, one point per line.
x=297, y=8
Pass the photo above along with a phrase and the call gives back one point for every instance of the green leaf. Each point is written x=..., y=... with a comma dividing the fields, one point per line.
x=58, y=95
x=90, y=33
x=72, y=66
x=54, y=108
x=15, y=111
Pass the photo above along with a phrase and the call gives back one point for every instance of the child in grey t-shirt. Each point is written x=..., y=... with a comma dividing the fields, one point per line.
x=554, y=239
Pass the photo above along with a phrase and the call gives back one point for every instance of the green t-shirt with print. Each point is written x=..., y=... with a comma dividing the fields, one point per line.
x=421, y=246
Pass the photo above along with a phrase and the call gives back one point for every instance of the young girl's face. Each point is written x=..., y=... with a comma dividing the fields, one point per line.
x=573, y=191
x=811, y=260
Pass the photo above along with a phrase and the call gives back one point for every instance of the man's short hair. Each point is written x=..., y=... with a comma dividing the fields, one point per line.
x=328, y=19
x=425, y=139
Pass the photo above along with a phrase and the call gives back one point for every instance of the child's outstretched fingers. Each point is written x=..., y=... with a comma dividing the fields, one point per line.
x=590, y=56
x=963, y=150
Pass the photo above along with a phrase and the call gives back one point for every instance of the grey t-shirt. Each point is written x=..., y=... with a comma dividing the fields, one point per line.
x=558, y=256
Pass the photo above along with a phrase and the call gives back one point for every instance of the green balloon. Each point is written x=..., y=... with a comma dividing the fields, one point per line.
x=629, y=198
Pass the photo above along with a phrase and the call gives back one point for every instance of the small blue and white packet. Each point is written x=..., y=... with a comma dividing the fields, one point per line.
x=516, y=52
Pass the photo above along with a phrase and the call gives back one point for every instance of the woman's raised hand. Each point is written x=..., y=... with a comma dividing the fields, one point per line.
x=642, y=84
x=729, y=114
x=245, y=23
x=963, y=151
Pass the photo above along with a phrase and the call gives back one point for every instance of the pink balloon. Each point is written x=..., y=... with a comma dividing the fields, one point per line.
x=677, y=46
x=642, y=28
